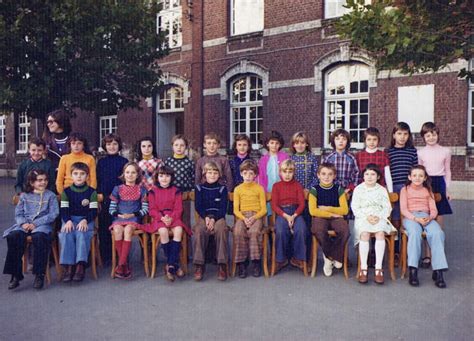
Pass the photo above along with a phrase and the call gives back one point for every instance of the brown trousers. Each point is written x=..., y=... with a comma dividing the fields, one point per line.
x=201, y=241
x=333, y=247
x=248, y=239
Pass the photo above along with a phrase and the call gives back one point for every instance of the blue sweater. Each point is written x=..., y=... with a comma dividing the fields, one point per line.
x=79, y=201
x=211, y=200
x=108, y=171
x=401, y=161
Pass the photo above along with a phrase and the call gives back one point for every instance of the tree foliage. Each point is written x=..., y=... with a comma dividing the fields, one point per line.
x=93, y=55
x=414, y=35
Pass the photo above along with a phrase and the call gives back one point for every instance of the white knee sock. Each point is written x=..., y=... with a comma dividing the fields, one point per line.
x=363, y=254
x=379, y=252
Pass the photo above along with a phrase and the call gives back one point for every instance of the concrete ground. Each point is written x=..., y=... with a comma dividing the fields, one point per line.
x=285, y=307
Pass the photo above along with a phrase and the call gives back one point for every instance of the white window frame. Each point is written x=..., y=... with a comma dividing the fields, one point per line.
x=345, y=98
x=251, y=14
x=171, y=15
x=247, y=105
x=470, y=114
x=112, y=126
x=173, y=94
x=23, y=133
x=334, y=8
x=3, y=144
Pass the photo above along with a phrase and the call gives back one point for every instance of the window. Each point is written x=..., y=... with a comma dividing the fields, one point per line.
x=347, y=102
x=246, y=108
x=417, y=99
x=470, y=115
x=335, y=8
x=246, y=16
x=23, y=133
x=171, y=100
x=108, y=125
x=3, y=119
x=169, y=21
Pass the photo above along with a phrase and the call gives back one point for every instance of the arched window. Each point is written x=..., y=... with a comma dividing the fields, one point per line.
x=171, y=100
x=346, y=99
x=246, y=108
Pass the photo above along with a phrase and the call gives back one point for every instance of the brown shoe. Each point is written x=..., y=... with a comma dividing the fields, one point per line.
x=79, y=275
x=180, y=273
x=378, y=278
x=198, y=272
x=169, y=273
x=222, y=272
x=363, y=278
x=68, y=273
x=296, y=263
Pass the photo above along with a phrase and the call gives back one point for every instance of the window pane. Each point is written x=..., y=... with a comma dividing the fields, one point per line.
x=354, y=122
x=354, y=136
x=354, y=87
x=364, y=121
x=364, y=105
x=354, y=106
x=364, y=86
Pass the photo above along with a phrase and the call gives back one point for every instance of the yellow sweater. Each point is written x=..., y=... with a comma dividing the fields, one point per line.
x=315, y=211
x=249, y=197
x=64, y=178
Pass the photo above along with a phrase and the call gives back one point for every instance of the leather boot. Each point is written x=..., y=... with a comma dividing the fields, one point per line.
x=413, y=277
x=14, y=283
x=39, y=282
x=438, y=278
x=242, y=268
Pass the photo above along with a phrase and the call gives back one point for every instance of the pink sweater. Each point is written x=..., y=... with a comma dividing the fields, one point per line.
x=437, y=161
x=417, y=199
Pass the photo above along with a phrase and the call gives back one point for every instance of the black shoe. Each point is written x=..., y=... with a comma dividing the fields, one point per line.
x=256, y=269
x=242, y=270
x=14, y=283
x=39, y=282
x=438, y=278
x=413, y=278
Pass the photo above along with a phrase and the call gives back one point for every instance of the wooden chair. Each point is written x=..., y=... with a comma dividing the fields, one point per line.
x=265, y=233
x=271, y=225
x=404, y=251
x=390, y=240
x=155, y=244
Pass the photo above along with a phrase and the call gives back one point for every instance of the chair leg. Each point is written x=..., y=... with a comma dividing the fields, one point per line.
x=314, y=256
x=114, y=257
x=391, y=255
x=358, y=262
x=273, y=270
x=54, y=251
x=153, y=255
x=305, y=268
x=48, y=274
x=403, y=256
x=184, y=256
x=346, y=256
x=234, y=265
x=98, y=256
x=145, y=253
x=25, y=258
x=265, y=255
x=93, y=256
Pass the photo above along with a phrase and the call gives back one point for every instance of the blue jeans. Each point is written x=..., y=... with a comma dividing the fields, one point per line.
x=75, y=245
x=434, y=236
x=286, y=246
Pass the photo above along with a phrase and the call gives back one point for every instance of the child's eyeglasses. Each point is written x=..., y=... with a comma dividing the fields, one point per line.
x=50, y=121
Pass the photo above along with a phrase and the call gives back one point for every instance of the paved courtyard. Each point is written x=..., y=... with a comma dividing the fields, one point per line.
x=285, y=307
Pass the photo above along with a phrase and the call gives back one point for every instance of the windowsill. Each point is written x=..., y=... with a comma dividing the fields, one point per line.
x=21, y=152
x=245, y=36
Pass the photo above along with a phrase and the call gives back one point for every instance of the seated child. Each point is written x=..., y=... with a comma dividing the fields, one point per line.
x=166, y=207
x=371, y=207
x=211, y=204
x=128, y=205
x=327, y=206
x=249, y=209
x=418, y=208
x=78, y=212
x=34, y=216
x=288, y=203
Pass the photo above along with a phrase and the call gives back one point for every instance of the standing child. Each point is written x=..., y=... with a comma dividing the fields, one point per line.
x=128, y=205
x=347, y=175
x=371, y=207
x=242, y=147
x=79, y=153
x=148, y=161
x=78, y=212
x=249, y=209
x=166, y=208
x=34, y=216
x=212, y=144
x=418, y=208
x=108, y=172
x=306, y=163
x=327, y=206
x=288, y=203
x=371, y=154
x=182, y=166
x=36, y=149
x=211, y=204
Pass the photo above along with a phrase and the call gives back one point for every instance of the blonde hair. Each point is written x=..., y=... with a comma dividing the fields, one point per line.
x=300, y=136
x=211, y=165
x=287, y=164
x=212, y=136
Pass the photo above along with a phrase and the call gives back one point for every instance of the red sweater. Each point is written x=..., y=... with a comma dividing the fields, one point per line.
x=287, y=193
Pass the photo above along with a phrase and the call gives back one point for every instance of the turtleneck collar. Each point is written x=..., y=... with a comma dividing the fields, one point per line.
x=147, y=157
x=242, y=156
x=326, y=186
x=179, y=156
x=37, y=191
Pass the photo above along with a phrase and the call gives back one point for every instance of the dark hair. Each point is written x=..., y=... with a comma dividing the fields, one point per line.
x=78, y=137
x=166, y=170
x=138, y=149
x=32, y=177
x=110, y=138
x=249, y=165
x=338, y=132
x=426, y=183
x=137, y=168
x=372, y=131
x=275, y=135
x=242, y=137
x=429, y=127
x=62, y=119
x=180, y=137
x=404, y=127
x=80, y=166
x=300, y=136
x=327, y=165
x=372, y=167
x=37, y=141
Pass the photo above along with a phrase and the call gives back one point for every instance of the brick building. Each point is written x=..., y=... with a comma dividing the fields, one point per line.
x=252, y=66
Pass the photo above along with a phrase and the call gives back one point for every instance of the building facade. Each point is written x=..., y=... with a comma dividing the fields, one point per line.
x=255, y=66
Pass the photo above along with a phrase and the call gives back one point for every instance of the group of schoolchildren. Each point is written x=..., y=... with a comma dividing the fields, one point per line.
x=306, y=198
